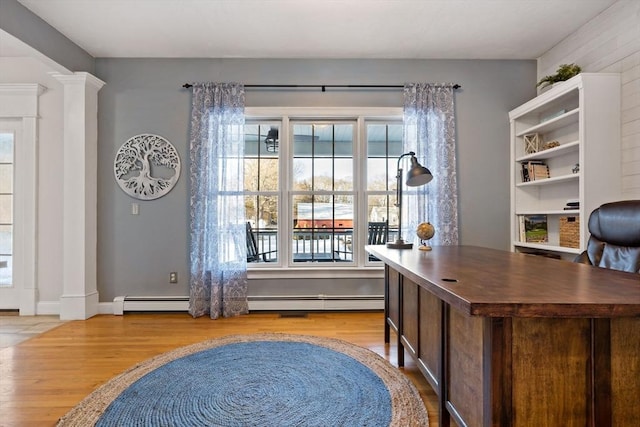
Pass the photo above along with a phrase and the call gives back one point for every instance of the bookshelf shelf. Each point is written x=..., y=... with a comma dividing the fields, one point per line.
x=552, y=124
x=583, y=115
x=546, y=247
x=562, y=212
x=551, y=152
x=549, y=181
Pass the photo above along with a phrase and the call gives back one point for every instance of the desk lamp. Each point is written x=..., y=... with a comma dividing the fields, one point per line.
x=418, y=175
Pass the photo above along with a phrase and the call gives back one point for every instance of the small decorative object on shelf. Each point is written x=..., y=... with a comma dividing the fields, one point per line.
x=576, y=168
x=532, y=143
x=425, y=231
x=564, y=72
x=572, y=204
x=550, y=144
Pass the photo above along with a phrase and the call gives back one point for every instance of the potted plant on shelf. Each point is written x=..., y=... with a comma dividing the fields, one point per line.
x=564, y=72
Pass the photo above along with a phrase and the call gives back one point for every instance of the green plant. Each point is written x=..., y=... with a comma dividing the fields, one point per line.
x=564, y=72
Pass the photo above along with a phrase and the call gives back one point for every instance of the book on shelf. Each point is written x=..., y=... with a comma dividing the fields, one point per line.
x=572, y=204
x=533, y=228
x=534, y=170
x=540, y=171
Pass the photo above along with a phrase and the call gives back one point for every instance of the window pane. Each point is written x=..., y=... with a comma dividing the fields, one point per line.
x=323, y=157
x=303, y=139
x=6, y=237
x=262, y=214
x=322, y=228
x=323, y=174
x=6, y=278
x=384, y=146
x=302, y=168
x=378, y=208
x=6, y=178
x=261, y=157
x=382, y=208
x=6, y=209
x=343, y=174
x=343, y=137
x=377, y=173
x=6, y=148
x=269, y=174
x=251, y=174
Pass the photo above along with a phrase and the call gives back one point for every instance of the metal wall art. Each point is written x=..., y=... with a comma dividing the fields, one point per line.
x=147, y=167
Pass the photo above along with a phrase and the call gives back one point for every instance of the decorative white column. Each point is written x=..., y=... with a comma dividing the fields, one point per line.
x=79, y=298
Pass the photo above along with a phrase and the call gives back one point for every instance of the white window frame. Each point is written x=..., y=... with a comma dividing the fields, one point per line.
x=283, y=268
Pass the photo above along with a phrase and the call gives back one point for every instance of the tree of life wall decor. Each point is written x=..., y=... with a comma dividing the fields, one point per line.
x=147, y=167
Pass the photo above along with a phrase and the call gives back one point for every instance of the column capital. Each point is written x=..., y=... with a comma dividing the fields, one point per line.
x=78, y=78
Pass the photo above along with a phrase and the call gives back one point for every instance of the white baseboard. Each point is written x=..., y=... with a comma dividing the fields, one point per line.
x=123, y=304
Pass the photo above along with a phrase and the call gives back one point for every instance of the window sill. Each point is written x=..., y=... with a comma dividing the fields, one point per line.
x=315, y=272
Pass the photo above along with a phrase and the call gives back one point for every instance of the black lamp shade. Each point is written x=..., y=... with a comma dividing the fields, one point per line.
x=418, y=175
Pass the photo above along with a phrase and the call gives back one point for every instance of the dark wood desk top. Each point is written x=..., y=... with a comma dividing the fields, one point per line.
x=493, y=283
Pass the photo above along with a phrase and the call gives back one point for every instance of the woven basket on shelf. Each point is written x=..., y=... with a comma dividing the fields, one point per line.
x=570, y=231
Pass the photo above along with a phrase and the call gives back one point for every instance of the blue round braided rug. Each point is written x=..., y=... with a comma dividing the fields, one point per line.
x=257, y=380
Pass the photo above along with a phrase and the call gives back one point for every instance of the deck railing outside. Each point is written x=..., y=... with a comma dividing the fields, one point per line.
x=312, y=245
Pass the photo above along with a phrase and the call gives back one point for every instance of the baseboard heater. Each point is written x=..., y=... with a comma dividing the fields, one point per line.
x=123, y=304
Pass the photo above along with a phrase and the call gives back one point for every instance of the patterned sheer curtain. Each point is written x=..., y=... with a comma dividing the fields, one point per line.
x=218, y=282
x=429, y=131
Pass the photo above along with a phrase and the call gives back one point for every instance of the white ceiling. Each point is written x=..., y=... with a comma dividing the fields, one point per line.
x=457, y=29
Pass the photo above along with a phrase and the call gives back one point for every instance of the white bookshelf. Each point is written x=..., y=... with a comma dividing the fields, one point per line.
x=583, y=115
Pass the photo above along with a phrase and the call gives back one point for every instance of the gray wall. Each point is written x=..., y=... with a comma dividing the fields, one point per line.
x=135, y=253
x=20, y=22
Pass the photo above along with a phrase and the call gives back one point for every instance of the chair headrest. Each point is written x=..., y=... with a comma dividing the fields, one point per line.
x=617, y=223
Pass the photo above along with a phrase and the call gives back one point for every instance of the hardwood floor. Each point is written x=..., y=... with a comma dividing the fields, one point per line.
x=44, y=377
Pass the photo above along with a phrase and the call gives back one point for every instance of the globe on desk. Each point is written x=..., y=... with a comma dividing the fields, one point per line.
x=425, y=231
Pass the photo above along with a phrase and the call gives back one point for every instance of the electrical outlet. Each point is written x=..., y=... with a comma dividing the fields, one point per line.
x=173, y=277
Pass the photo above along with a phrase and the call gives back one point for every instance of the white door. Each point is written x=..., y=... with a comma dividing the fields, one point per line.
x=9, y=292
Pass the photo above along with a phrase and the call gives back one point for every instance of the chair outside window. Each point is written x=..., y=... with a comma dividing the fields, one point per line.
x=253, y=252
x=378, y=232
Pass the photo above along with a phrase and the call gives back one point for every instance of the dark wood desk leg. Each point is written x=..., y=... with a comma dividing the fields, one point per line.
x=497, y=387
x=445, y=418
x=600, y=410
x=387, y=337
x=400, y=321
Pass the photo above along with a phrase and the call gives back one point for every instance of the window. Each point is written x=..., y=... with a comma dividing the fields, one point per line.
x=384, y=146
x=323, y=195
x=262, y=189
x=6, y=208
x=312, y=186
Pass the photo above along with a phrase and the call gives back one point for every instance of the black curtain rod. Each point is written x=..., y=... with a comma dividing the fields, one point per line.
x=324, y=87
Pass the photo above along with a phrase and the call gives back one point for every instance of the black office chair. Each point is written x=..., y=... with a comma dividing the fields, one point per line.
x=615, y=237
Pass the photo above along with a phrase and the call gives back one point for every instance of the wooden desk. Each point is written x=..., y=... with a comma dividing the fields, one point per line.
x=509, y=339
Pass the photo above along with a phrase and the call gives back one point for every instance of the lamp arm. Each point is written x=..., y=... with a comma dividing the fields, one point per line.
x=399, y=193
x=399, y=202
